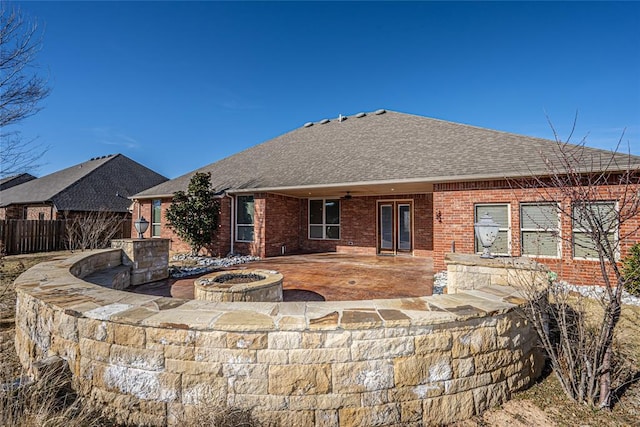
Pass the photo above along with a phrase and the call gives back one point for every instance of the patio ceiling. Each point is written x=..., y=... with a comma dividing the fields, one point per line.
x=354, y=189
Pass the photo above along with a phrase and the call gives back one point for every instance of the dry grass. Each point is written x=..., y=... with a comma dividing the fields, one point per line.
x=545, y=403
x=50, y=403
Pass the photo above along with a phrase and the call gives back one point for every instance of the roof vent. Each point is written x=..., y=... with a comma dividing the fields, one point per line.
x=360, y=115
x=324, y=121
x=380, y=111
x=308, y=124
x=342, y=118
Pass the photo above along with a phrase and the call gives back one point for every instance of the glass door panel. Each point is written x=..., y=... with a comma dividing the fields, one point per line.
x=404, y=227
x=395, y=227
x=386, y=228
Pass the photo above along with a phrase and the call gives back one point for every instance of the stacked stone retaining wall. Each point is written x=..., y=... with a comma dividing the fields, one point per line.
x=151, y=360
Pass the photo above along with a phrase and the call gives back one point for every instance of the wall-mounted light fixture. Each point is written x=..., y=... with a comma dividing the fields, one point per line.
x=141, y=226
x=439, y=215
x=486, y=231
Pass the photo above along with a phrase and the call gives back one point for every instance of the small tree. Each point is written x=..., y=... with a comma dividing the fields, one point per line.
x=92, y=230
x=598, y=194
x=194, y=215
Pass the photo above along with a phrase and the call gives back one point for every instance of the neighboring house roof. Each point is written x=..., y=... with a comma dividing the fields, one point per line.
x=379, y=147
x=102, y=183
x=12, y=181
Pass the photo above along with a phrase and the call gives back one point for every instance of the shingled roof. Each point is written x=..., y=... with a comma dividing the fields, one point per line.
x=102, y=183
x=12, y=181
x=378, y=147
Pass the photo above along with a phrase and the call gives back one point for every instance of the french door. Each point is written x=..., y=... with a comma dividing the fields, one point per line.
x=395, y=227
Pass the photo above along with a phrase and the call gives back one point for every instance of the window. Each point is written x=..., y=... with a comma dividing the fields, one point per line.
x=244, y=218
x=324, y=219
x=500, y=214
x=41, y=216
x=601, y=213
x=540, y=229
x=156, y=215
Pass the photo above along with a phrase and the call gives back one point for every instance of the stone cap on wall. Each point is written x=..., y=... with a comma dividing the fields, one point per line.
x=54, y=284
x=497, y=262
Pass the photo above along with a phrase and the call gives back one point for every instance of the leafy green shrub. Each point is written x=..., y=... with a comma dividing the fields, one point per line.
x=631, y=270
x=194, y=215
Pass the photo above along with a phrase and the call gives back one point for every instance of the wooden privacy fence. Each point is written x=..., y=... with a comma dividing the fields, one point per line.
x=22, y=236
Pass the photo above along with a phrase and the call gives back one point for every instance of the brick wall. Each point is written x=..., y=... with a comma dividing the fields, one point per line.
x=455, y=202
x=358, y=228
x=219, y=247
x=33, y=212
x=283, y=221
x=282, y=224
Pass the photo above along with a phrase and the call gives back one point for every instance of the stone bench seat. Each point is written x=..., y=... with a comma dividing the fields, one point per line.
x=117, y=278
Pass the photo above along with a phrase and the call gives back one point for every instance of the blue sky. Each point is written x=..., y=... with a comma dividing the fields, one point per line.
x=178, y=85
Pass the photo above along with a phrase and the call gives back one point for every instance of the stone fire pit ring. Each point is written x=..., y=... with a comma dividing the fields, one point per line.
x=240, y=285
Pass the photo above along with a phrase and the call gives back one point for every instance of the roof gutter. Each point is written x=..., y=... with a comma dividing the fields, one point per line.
x=219, y=194
x=231, y=222
x=434, y=180
x=429, y=180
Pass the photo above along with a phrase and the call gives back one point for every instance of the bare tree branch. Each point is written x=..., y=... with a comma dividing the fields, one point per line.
x=598, y=193
x=21, y=88
x=92, y=230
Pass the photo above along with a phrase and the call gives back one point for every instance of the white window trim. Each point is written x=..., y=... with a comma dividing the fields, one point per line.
x=252, y=225
x=507, y=229
x=542, y=230
x=324, y=219
x=159, y=223
x=616, y=233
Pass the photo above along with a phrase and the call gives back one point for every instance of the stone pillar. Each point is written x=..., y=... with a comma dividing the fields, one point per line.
x=466, y=271
x=148, y=258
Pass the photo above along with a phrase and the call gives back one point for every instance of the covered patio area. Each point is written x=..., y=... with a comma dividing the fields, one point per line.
x=342, y=277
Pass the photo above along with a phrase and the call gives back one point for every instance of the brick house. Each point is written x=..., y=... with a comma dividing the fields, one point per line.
x=100, y=184
x=384, y=183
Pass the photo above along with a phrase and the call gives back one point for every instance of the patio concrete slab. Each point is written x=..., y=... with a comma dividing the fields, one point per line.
x=343, y=277
x=332, y=276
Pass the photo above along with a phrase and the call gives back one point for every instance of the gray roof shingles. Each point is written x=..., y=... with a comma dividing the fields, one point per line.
x=385, y=147
x=12, y=181
x=88, y=186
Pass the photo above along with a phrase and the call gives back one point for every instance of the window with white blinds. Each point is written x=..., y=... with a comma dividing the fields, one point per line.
x=540, y=229
x=600, y=216
x=500, y=214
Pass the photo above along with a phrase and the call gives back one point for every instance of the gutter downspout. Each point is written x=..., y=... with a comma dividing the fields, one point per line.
x=231, y=220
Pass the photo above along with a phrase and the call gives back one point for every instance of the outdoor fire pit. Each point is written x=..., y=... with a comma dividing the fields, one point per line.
x=240, y=285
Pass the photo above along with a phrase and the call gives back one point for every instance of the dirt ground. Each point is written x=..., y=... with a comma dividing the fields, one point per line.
x=543, y=404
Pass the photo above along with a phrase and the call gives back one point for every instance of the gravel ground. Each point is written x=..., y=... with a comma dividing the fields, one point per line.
x=206, y=264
